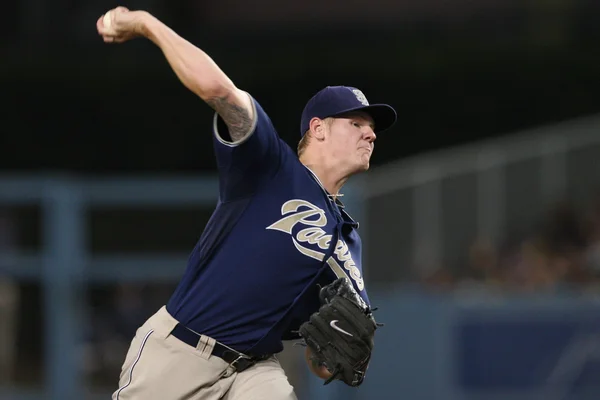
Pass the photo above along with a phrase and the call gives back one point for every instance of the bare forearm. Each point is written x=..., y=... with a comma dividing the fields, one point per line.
x=194, y=68
x=200, y=74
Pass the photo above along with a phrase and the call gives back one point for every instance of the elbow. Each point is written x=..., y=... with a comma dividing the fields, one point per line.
x=214, y=88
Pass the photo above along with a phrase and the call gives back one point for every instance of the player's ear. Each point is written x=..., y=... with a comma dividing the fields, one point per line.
x=317, y=128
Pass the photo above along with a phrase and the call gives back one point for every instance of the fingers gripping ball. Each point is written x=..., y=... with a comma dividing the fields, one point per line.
x=341, y=334
x=115, y=26
x=107, y=20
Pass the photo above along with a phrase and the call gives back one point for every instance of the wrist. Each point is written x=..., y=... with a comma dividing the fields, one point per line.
x=147, y=24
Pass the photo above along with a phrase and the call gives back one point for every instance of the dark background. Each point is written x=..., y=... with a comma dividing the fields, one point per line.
x=455, y=72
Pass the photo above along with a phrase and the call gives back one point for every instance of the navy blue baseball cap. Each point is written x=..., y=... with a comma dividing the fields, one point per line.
x=334, y=101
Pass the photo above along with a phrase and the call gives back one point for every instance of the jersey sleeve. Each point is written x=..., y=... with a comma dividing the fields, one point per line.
x=245, y=165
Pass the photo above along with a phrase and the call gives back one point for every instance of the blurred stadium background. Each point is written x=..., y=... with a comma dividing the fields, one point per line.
x=480, y=216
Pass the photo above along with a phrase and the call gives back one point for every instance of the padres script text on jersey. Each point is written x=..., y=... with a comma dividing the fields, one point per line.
x=306, y=239
x=315, y=235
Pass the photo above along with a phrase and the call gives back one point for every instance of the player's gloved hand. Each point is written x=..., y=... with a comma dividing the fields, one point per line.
x=340, y=335
x=120, y=25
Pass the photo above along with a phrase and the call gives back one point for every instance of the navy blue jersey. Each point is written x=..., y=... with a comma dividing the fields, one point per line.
x=275, y=234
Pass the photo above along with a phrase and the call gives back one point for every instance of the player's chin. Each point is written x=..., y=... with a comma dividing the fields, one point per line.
x=365, y=162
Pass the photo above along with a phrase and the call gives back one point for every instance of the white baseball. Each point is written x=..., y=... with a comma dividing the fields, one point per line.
x=107, y=20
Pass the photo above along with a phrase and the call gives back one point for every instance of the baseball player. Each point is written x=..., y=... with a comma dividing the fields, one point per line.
x=280, y=258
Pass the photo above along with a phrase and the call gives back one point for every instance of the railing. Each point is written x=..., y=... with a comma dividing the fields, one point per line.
x=419, y=212
x=425, y=211
x=64, y=265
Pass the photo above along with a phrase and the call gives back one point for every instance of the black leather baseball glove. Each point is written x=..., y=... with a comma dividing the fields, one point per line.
x=340, y=335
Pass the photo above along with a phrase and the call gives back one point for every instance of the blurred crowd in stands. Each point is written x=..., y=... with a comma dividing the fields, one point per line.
x=561, y=254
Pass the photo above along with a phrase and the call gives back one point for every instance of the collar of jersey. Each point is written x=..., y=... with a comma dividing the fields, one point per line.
x=336, y=199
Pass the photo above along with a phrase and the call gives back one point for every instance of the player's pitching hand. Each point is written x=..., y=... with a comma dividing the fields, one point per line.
x=120, y=25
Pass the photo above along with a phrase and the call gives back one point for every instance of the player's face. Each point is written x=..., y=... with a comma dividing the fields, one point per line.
x=352, y=141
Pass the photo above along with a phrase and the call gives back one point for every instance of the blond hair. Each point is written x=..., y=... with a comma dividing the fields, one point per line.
x=303, y=143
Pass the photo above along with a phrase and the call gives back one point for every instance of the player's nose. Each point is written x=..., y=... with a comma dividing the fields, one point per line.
x=370, y=135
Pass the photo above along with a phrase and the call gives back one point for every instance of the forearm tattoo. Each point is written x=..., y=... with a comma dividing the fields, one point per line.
x=236, y=117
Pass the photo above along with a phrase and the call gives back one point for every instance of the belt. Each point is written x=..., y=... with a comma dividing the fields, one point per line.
x=239, y=361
